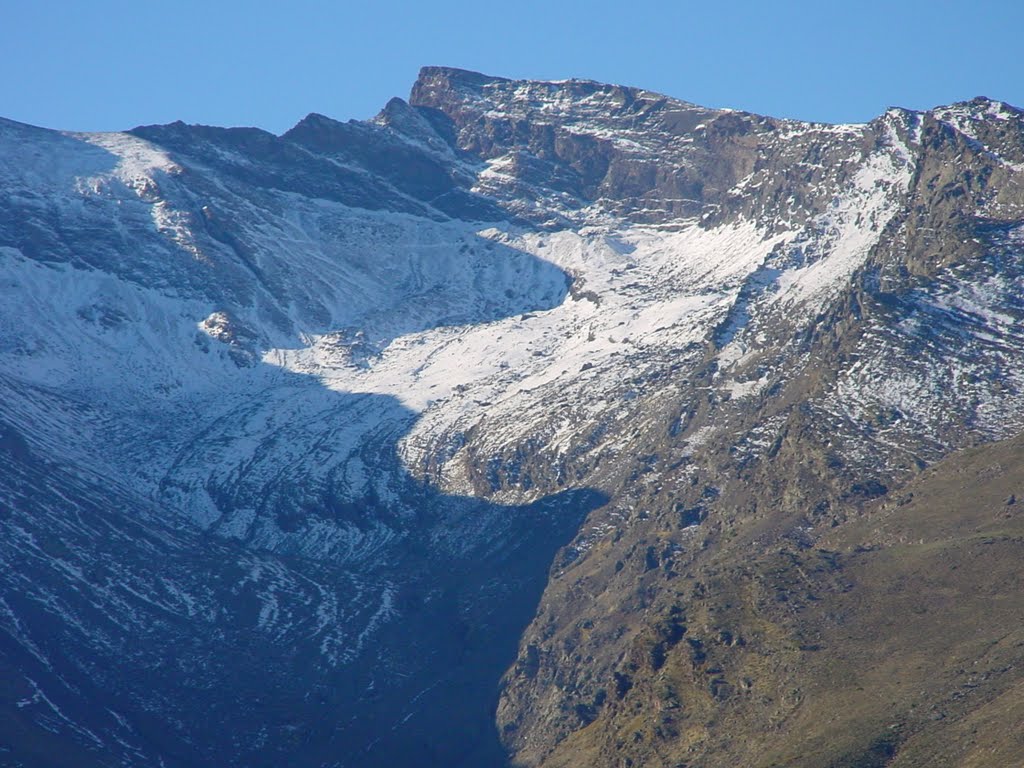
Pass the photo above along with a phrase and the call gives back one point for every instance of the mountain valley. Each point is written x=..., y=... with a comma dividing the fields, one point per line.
x=528, y=423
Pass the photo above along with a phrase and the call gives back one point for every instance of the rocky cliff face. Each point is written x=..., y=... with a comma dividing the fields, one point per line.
x=349, y=400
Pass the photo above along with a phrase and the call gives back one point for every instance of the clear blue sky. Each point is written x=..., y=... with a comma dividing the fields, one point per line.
x=106, y=65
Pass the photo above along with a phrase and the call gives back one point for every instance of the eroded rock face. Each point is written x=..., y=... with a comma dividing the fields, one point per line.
x=575, y=146
x=353, y=397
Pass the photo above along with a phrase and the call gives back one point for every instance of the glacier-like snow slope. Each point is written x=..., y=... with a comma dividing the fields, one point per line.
x=367, y=345
x=182, y=298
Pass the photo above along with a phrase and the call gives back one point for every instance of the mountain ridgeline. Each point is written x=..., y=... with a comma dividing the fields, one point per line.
x=539, y=424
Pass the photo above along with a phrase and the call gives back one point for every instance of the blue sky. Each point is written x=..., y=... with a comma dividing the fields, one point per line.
x=106, y=65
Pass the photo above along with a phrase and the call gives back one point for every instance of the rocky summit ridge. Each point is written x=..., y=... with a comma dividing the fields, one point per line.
x=532, y=423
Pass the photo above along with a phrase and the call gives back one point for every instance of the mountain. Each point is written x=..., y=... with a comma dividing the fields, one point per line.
x=552, y=423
